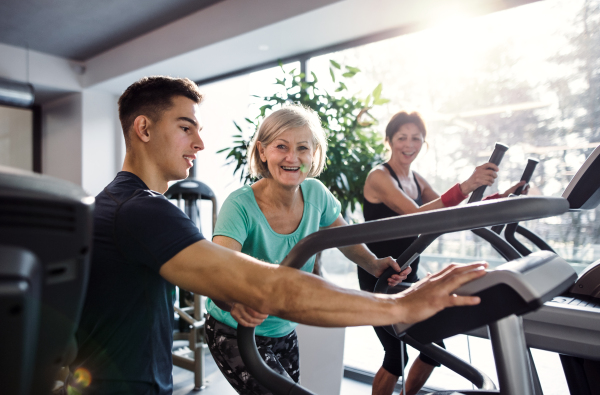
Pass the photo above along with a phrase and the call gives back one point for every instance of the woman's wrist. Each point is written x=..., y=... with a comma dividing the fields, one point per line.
x=453, y=196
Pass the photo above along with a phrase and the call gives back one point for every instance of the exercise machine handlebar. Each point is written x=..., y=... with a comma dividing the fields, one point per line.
x=495, y=158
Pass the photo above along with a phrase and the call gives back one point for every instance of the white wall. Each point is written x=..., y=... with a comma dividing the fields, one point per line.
x=101, y=144
x=61, y=138
x=16, y=138
x=321, y=358
x=44, y=70
x=82, y=140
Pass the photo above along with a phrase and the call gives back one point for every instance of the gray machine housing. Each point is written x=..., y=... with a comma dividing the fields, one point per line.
x=517, y=287
x=45, y=243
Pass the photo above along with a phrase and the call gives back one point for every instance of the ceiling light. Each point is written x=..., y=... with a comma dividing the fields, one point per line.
x=263, y=47
x=15, y=93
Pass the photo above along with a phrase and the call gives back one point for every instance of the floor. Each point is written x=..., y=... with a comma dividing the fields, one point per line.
x=553, y=382
x=216, y=384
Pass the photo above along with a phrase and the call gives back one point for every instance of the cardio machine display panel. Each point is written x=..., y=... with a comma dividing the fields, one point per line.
x=583, y=192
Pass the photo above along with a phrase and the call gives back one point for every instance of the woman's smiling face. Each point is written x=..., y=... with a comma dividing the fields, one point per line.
x=406, y=143
x=289, y=157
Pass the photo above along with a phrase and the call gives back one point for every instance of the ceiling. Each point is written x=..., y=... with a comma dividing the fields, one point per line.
x=79, y=30
x=62, y=46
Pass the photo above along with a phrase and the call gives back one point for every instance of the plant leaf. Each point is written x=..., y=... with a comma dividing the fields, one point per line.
x=380, y=101
x=377, y=91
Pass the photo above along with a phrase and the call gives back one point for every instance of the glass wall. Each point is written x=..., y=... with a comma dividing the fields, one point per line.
x=527, y=77
x=16, y=138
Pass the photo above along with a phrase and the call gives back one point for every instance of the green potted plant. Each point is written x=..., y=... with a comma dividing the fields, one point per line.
x=354, y=148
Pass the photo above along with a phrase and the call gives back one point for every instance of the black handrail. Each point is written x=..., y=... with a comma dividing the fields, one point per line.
x=469, y=372
x=273, y=381
x=418, y=246
x=451, y=361
x=507, y=251
x=509, y=235
x=445, y=220
x=495, y=158
x=527, y=173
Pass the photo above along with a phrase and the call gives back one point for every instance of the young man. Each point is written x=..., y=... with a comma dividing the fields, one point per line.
x=144, y=245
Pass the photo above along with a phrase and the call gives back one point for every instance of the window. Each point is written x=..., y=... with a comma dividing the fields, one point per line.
x=227, y=101
x=526, y=77
x=476, y=82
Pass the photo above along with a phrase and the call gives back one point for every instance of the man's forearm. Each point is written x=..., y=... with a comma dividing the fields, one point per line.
x=308, y=299
x=219, y=273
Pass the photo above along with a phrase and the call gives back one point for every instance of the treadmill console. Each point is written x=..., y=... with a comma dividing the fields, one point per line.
x=517, y=287
x=588, y=283
x=583, y=192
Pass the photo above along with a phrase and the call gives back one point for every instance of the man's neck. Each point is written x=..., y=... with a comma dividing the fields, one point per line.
x=146, y=172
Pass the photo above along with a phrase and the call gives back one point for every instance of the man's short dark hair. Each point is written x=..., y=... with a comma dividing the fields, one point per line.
x=151, y=96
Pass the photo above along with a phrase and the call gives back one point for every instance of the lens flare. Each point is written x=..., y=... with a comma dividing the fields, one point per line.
x=81, y=379
x=303, y=168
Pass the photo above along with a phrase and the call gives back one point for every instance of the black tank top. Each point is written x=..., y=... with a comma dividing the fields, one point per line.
x=393, y=248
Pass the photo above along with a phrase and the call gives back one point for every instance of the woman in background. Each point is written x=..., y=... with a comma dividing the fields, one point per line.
x=393, y=189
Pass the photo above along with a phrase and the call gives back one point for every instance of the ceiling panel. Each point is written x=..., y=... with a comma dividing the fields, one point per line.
x=79, y=30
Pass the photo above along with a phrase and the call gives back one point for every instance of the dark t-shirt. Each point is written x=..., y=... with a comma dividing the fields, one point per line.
x=125, y=335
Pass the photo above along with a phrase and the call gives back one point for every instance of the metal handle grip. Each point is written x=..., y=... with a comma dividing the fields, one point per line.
x=495, y=158
x=527, y=173
x=531, y=164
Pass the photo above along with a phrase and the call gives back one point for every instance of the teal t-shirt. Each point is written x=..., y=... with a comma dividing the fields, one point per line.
x=241, y=219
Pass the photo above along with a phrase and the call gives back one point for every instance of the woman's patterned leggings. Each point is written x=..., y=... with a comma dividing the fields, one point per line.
x=280, y=353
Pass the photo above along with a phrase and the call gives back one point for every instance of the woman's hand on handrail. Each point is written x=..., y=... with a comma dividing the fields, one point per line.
x=380, y=265
x=363, y=257
x=515, y=187
x=247, y=316
x=484, y=174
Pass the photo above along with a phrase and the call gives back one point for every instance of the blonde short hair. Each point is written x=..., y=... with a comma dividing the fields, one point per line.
x=289, y=117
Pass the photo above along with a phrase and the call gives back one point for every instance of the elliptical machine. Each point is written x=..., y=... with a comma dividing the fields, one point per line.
x=525, y=292
x=516, y=282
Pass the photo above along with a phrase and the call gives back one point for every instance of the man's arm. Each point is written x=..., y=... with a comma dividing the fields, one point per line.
x=217, y=272
x=240, y=312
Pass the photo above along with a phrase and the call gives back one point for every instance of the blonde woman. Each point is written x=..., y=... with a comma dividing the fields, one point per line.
x=266, y=220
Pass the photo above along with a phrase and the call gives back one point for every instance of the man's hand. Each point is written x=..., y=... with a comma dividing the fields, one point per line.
x=247, y=316
x=436, y=292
